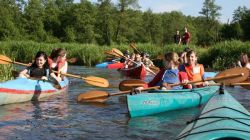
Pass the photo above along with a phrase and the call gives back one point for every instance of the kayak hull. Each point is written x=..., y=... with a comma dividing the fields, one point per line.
x=116, y=66
x=136, y=73
x=160, y=101
x=23, y=89
x=222, y=117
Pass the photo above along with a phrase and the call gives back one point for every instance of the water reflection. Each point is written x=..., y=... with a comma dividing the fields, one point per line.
x=61, y=117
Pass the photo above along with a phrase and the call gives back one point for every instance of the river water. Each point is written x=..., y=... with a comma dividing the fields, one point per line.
x=61, y=117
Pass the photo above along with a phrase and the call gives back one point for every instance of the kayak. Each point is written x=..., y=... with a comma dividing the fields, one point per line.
x=158, y=101
x=116, y=65
x=137, y=73
x=103, y=65
x=221, y=118
x=23, y=89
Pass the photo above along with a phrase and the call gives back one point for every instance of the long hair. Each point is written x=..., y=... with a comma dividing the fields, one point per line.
x=172, y=56
x=39, y=54
x=57, y=52
x=192, y=52
x=244, y=59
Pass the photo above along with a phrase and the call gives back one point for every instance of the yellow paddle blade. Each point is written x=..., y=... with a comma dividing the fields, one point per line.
x=246, y=86
x=92, y=95
x=154, y=69
x=72, y=60
x=5, y=60
x=117, y=52
x=96, y=81
x=232, y=71
x=127, y=85
x=132, y=45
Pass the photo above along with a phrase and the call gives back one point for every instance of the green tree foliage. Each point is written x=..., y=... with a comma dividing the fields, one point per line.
x=107, y=23
x=104, y=22
x=208, y=23
x=34, y=17
x=10, y=14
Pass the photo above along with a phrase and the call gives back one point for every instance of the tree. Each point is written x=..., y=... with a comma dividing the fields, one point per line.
x=10, y=19
x=34, y=16
x=123, y=5
x=104, y=22
x=210, y=10
x=210, y=26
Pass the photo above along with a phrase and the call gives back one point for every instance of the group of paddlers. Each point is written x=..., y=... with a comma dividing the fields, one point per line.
x=184, y=68
x=177, y=68
x=45, y=67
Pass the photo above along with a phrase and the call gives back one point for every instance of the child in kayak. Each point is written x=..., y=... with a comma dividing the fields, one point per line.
x=169, y=75
x=39, y=69
x=57, y=61
x=244, y=61
x=172, y=75
x=194, y=70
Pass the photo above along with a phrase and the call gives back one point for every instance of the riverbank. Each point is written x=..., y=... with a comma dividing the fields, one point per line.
x=219, y=56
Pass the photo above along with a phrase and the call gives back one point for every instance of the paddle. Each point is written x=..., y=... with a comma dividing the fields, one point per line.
x=92, y=80
x=72, y=60
x=131, y=83
x=117, y=52
x=101, y=94
x=153, y=68
x=123, y=86
x=132, y=45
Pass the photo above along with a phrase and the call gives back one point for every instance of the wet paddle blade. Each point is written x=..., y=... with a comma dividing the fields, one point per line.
x=96, y=81
x=232, y=71
x=92, y=95
x=5, y=60
x=123, y=86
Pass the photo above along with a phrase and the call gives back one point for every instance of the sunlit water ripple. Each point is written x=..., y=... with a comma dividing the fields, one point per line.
x=61, y=117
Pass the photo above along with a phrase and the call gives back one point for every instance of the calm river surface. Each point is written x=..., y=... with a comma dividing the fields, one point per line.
x=61, y=117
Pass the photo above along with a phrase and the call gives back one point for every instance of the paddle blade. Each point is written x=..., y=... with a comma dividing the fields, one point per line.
x=132, y=45
x=5, y=60
x=72, y=60
x=154, y=69
x=232, y=71
x=117, y=52
x=92, y=95
x=96, y=81
x=127, y=85
x=246, y=86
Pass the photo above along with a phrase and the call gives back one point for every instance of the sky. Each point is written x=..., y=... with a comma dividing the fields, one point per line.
x=190, y=7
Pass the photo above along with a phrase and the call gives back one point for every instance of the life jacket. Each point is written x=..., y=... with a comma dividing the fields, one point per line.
x=47, y=71
x=156, y=81
x=171, y=76
x=59, y=65
x=193, y=73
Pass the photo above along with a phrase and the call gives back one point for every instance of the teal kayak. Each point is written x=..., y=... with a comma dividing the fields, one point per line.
x=160, y=101
x=221, y=118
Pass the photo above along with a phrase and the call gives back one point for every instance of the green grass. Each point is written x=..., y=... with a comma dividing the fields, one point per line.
x=220, y=56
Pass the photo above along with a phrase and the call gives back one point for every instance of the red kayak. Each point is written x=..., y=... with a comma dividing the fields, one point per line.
x=116, y=66
x=137, y=73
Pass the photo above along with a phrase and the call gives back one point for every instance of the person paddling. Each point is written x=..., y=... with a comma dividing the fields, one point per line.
x=57, y=61
x=194, y=70
x=168, y=75
x=39, y=69
x=244, y=61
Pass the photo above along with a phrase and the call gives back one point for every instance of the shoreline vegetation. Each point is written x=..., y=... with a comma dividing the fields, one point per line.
x=219, y=56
